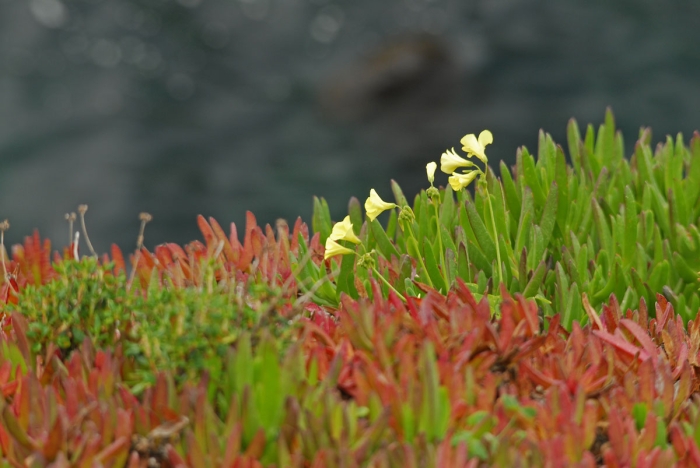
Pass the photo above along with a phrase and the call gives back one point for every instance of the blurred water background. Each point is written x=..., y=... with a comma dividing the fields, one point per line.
x=180, y=107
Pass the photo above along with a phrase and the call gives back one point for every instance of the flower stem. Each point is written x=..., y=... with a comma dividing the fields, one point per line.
x=442, y=251
x=462, y=200
x=374, y=269
x=495, y=232
x=409, y=231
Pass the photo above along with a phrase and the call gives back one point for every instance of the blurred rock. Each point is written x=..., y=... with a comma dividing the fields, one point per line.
x=408, y=73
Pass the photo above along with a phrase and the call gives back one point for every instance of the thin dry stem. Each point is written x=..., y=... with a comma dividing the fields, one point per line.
x=145, y=218
x=76, y=239
x=70, y=217
x=82, y=209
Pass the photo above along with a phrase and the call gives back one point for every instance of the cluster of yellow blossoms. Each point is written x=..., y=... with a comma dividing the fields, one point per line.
x=374, y=206
x=449, y=163
x=341, y=231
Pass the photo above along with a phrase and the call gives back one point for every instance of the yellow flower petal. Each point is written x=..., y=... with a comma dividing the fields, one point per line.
x=450, y=162
x=343, y=231
x=470, y=144
x=485, y=138
x=460, y=181
x=475, y=147
x=430, y=169
x=333, y=249
x=374, y=206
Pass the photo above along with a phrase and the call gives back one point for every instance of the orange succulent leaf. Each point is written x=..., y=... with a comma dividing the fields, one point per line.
x=181, y=260
x=8, y=292
x=642, y=336
x=229, y=252
x=619, y=343
x=118, y=259
x=248, y=251
x=208, y=234
x=34, y=259
x=55, y=440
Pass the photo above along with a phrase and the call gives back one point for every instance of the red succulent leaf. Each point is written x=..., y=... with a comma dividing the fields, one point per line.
x=679, y=441
x=208, y=234
x=164, y=256
x=229, y=252
x=256, y=446
x=593, y=317
x=5, y=440
x=233, y=240
x=117, y=450
x=19, y=327
x=642, y=337
x=299, y=228
x=5, y=372
x=118, y=259
x=611, y=315
x=55, y=441
x=176, y=461
x=181, y=268
x=664, y=310
x=17, y=424
x=250, y=242
x=619, y=343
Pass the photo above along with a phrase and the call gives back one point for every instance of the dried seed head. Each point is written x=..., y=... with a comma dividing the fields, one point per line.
x=5, y=225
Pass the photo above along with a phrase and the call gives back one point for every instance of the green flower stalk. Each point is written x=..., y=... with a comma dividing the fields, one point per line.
x=406, y=219
x=450, y=162
x=434, y=195
x=343, y=231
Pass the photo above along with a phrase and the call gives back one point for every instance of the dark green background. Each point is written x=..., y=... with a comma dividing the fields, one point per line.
x=222, y=106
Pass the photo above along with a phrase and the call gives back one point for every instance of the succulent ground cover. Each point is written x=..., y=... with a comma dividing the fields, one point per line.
x=548, y=318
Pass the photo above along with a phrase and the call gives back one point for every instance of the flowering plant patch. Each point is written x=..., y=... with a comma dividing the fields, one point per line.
x=544, y=318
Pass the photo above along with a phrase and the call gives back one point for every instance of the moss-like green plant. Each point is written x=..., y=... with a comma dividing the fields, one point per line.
x=185, y=330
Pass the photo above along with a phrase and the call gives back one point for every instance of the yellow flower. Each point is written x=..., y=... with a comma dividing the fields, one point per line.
x=475, y=147
x=333, y=249
x=343, y=231
x=430, y=169
x=460, y=181
x=449, y=162
x=374, y=206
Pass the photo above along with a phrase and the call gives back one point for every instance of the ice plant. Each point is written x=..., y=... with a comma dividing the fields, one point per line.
x=374, y=206
x=343, y=231
x=450, y=162
x=333, y=249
